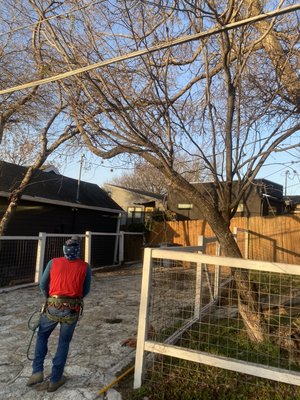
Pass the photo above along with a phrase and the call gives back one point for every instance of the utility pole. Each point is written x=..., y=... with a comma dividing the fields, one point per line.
x=285, y=186
x=79, y=178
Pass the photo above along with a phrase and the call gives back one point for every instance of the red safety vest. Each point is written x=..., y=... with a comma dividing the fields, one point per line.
x=67, y=277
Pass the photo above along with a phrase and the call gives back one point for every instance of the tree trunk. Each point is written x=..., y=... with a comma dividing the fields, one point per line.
x=16, y=196
x=249, y=306
x=10, y=210
x=247, y=291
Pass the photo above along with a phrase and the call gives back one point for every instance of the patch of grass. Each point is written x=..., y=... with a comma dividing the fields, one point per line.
x=174, y=379
x=185, y=381
x=228, y=337
x=274, y=283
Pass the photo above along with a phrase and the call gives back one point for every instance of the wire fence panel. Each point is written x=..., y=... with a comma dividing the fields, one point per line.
x=179, y=294
x=194, y=318
x=23, y=259
x=54, y=246
x=17, y=260
x=103, y=250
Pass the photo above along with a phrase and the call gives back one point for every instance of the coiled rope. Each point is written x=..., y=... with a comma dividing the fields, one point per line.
x=33, y=324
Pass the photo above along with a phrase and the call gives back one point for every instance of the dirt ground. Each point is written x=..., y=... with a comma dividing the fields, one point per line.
x=96, y=353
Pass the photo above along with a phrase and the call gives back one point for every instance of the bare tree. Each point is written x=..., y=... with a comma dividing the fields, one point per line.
x=45, y=150
x=227, y=101
x=19, y=147
x=17, y=63
x=146, y=177
x=30, y=123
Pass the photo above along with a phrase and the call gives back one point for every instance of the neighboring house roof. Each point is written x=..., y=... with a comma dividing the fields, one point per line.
x=140, y=192
x=50, y=187
x=264, y=187
x=261, y=196
x=294, y=198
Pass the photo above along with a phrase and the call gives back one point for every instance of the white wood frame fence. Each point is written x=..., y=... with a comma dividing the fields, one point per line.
x=166, y=348
x=87, y=237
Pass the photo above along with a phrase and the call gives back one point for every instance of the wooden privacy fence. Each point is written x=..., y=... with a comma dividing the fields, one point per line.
x=259, y=238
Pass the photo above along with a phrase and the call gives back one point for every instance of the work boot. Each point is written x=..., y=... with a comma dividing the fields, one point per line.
x=42, y=386
x=38, y=377
x=55, y=385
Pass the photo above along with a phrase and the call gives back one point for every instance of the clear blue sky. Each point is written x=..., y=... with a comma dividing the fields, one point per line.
x=93, y=171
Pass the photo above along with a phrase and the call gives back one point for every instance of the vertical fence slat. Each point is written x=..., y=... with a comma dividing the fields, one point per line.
x=40, y=257
x=88, y=247
x=198, y=283
x=121, y=247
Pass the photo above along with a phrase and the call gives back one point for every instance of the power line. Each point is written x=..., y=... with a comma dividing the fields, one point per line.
x=49, y=18
x=159, y=46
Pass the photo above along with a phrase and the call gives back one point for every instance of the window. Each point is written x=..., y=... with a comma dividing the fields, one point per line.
x=183, y=206
x=134, y=212
x=149, y=209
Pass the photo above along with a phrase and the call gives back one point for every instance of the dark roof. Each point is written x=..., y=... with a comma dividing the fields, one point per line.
x=263, y=187
x=51, y=186
x=141, y=192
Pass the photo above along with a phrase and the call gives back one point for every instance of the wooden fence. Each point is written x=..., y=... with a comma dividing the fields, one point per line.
x=259, y=238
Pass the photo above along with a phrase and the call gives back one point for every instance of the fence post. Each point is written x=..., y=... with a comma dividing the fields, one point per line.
x=117, y=241
x=217, y=274
x=247, y=243
x=40, y=255
x=88, y=247
x=197, y=306
x=143, y=321
x=246, y=240
x=121, y=247
x=235, y=233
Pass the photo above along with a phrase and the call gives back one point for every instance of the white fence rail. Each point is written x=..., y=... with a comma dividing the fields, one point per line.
x=23, y=258
x=189, y=310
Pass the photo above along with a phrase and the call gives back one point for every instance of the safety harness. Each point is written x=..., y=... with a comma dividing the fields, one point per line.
x=61, y=303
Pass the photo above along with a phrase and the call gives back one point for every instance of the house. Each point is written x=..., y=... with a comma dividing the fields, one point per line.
x=292, y=204
x=263, y=198
x=54, y=203
x=138, y=204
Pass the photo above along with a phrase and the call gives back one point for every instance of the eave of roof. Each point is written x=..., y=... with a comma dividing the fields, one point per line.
x=63, y=203
x=140, y=192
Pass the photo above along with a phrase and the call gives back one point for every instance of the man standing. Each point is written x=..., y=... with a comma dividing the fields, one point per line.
x=65, y=282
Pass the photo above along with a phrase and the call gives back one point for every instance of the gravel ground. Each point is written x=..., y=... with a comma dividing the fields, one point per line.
x=96, y=355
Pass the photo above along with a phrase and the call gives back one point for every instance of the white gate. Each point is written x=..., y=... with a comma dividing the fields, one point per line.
x=189, y=310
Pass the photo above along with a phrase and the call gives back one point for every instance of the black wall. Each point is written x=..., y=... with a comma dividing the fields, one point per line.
x=31, y=218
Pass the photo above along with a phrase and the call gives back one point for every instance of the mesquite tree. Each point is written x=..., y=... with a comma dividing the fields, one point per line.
x=226, y=101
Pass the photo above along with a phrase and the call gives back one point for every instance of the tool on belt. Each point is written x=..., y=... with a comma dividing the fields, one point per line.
x=62, y=303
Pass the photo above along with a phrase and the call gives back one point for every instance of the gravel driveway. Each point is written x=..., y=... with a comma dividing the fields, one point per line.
x=96, y=354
